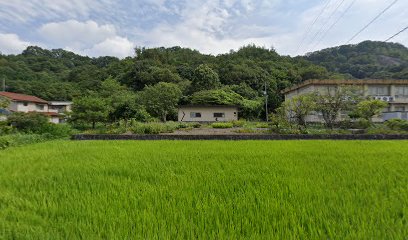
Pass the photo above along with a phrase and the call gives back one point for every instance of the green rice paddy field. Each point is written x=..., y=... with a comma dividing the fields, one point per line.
x=205, y=190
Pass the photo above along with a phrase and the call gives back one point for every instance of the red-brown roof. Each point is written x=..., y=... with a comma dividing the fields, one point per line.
x=22, y=97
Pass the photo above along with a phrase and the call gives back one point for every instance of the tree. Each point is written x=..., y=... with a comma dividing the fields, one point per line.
x=332, y=102
x=367, y=109
x=4, y=103
x=161, y=100
x=90, y=109
x=248, y=108
x=298, y=107
x=205, y=78
x=28, y=122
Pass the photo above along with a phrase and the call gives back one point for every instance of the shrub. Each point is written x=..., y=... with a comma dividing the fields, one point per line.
x=28, y=122
x=262, y=125
x=222, y=125
x=22, y=139
x=397, y=124
x=238, y=123
x=57, y=130
x=5, y=128
x=154, y=128
x=362, y=123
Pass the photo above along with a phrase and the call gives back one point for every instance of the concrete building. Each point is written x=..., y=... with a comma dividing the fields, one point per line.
x=394, y=92
x=26, y=103
x=207, y=113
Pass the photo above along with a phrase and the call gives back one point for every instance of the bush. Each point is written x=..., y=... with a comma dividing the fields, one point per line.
x=222, y=125
x=5, y=128
x=154, y=128
x=262, y=125
x=397, y=124
x=28, y=122
x=362, y=123
x=22, y=139
x=57, y=130
x=238, y=123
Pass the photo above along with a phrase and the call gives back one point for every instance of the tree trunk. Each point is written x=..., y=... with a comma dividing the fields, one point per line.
x=93, y=125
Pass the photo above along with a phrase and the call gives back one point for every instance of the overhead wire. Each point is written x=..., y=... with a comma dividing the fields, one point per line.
x=323, y=36
x=312, y=25
x=325, y=23
x=372, y=21
x=398, y=33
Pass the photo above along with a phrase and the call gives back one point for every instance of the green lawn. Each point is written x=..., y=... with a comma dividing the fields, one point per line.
x=207, y=190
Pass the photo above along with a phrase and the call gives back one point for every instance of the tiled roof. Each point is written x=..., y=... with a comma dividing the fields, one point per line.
x=22, y=97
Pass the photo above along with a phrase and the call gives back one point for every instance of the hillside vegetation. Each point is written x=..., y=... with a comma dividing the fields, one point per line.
x=205, y=190
x=377, y=60
x=237, y=77
x=62, y=75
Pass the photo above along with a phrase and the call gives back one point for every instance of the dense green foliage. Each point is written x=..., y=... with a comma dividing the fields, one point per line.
x=205, y=190
x=240, y=75
x=62, y=75
x=377, y=60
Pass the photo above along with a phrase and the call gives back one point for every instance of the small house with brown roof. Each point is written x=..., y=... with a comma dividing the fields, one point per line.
x=26, y=103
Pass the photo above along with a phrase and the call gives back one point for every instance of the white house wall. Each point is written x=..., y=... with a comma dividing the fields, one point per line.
x=207, y=114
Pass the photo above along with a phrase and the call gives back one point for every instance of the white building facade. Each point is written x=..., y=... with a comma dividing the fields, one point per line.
x=207, y=113
x=394, y=92
x=54, y=110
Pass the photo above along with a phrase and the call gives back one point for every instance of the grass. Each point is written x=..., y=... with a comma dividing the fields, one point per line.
x=205, y=190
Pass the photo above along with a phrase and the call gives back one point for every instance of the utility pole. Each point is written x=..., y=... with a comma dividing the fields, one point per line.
x=266, y=103
x=4, y=84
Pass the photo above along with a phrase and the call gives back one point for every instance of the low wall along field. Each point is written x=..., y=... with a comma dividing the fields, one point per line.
x=205, y=189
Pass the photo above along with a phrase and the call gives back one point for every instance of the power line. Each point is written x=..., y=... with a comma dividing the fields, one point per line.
x=398, y=33
x=324, y=25
x=334, y=24
x=311, y=25
x=374, y=19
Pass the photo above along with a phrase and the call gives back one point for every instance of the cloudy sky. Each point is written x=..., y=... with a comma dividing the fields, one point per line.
x=115, y=27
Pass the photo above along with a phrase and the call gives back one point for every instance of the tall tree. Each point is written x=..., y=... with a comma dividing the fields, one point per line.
x=90, y=109
x=161, y=100
x=367, y=109
x=333, y=101
x=298, y=107
x=205, y=78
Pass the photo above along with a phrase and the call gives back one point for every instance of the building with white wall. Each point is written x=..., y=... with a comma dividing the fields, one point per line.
x=207, y=113
x=55, y=110
x=392, y=91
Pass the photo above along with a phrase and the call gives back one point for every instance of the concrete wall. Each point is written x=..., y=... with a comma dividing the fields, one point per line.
x=399, y=93
x=242, y=137
x=207, y=114
x=27, y=107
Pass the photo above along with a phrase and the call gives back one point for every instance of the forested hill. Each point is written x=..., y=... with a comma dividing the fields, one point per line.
x=62, y=75
x=368, y=59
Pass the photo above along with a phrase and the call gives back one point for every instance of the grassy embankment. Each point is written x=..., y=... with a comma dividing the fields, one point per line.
x=210, y=189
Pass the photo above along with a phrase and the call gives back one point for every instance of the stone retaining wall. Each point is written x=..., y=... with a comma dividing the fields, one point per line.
x=240, y=137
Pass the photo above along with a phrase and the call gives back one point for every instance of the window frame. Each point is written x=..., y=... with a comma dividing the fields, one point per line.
x=222, y=115
x=195, y=115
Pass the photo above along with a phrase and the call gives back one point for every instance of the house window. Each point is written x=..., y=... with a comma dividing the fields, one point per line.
x=25, y=104
x=399, y=108
x=195, y=115
x=401, y=91
x=40, y=107
x=378, y=90
x=219, y=115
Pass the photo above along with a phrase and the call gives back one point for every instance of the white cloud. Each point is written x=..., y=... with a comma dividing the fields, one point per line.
x=23, y=11
x=76, y=34
x=12, y=44
x=116, y=46
x=88, y=38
